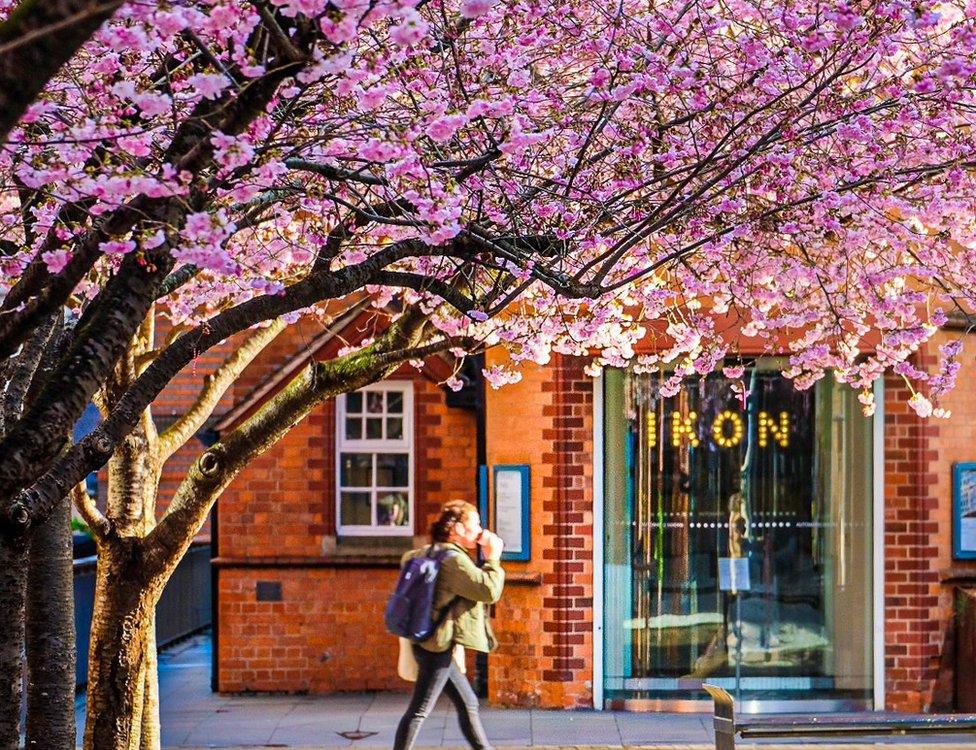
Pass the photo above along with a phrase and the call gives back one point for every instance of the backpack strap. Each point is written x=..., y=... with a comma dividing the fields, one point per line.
x=446, y=610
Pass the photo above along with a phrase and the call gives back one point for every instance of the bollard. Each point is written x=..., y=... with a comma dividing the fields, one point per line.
x=724, y=717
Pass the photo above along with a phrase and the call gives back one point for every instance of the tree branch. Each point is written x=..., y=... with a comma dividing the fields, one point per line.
x=215, y=385
x=421, y=283
x=90, y=514
x=334, y=173
x=218, y=466
x=36, y=439
x=35, y=41
x=21, y=372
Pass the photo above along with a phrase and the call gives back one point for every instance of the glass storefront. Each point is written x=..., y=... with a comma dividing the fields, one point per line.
x=738, y=542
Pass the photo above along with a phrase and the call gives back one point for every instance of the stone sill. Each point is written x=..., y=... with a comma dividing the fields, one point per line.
x=344, y=561
x=347, y=561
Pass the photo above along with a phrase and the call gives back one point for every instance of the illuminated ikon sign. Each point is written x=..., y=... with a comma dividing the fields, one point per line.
x=728, y=429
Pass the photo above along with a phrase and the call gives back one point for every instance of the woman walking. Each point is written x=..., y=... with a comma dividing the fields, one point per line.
x=462, y=591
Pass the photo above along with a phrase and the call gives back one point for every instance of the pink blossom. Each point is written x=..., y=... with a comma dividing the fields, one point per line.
x=476, y=8
x=56, y=260
x=208, y=85
x=117, y=247
x=443, y=128
x=921, y=405
x=153, y=104
x=411, y=30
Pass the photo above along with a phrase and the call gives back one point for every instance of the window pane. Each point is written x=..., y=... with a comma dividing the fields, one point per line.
x=354, y=403
x=357, y=470
x=391, y=469
x=354, y=428
x=374, y=429
x=374, y=402
x=394, y=402
x=394, y=428
x=355, y=509
x=392, y=509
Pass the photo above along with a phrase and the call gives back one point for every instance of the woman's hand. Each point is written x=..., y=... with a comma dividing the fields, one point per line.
x=492, y=545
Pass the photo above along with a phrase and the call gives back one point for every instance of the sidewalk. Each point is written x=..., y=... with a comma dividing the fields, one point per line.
x=193, y=717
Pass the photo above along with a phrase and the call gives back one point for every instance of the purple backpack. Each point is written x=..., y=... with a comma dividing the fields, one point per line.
x=410, y=608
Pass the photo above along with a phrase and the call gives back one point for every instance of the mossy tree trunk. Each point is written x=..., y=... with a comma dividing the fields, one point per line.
x=123, y=692
x=137, y=567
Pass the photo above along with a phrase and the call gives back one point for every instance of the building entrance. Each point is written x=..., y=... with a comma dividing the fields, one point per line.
x=738, y=542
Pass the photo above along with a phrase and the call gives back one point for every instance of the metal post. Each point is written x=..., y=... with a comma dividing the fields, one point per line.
x=724, y=717
x=738, y=643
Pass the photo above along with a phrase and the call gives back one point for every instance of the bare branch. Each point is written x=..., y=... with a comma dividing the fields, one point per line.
x=215, y=385
x=214, y=470
x=334, y=173
x=100, y=526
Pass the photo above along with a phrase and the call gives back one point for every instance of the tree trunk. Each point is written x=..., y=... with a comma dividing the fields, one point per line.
x=50, y=637
x=150, y=701
x=125, y=598
x=13, y=578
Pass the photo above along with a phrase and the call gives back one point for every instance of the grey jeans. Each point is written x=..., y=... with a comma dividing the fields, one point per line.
x=437, y=673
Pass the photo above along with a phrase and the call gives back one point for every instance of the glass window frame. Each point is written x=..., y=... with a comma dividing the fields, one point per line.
x=404, y=445
x=616, y=567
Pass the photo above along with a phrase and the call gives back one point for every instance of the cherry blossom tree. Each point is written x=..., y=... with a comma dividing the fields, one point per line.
x=548, y=176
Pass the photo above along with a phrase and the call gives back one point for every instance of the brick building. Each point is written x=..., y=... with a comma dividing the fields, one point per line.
x=792, y=548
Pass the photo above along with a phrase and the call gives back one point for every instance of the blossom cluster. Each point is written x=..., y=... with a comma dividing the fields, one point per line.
x=697, y=179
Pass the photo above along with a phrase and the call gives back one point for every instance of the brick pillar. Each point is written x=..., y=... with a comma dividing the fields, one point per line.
x=568, y=583
x=911, y=539
x=544, y=621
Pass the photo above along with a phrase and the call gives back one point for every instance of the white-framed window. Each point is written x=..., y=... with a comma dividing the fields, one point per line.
x=374, y=461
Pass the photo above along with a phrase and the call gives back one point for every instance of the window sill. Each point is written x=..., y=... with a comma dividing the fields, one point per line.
x=367, y=546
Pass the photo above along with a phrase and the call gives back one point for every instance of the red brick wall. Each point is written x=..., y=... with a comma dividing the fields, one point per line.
x=544, y=621
x=283, y=503
x=280, y=511
x=919, y=455
x=325, y=635
x=283, y=506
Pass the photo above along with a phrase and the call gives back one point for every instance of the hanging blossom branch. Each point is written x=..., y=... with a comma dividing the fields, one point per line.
x=576, y=162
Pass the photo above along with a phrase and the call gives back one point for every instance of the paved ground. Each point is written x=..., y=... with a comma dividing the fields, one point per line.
x=193, y=717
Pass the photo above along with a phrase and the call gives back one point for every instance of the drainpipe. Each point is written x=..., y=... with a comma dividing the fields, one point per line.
x=208, y=437
x=481, y=449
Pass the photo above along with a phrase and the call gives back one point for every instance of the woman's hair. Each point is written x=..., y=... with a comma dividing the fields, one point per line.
x=452, y=512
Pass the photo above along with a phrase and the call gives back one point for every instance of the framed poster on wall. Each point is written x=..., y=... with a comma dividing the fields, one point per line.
x=510, y=485
x=964, y=511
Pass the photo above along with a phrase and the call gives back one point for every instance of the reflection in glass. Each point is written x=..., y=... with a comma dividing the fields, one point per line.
x=354, y=428
x=392, y=509
x=356, y=509
x=394, y=402
x=394, y=428
x=374, y=429
x=777, y=481
x=391, y=469
x=374, y=402
x=354, y=403
x=357, y=470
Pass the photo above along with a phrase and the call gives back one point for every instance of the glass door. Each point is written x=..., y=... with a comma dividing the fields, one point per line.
x=738, y=542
